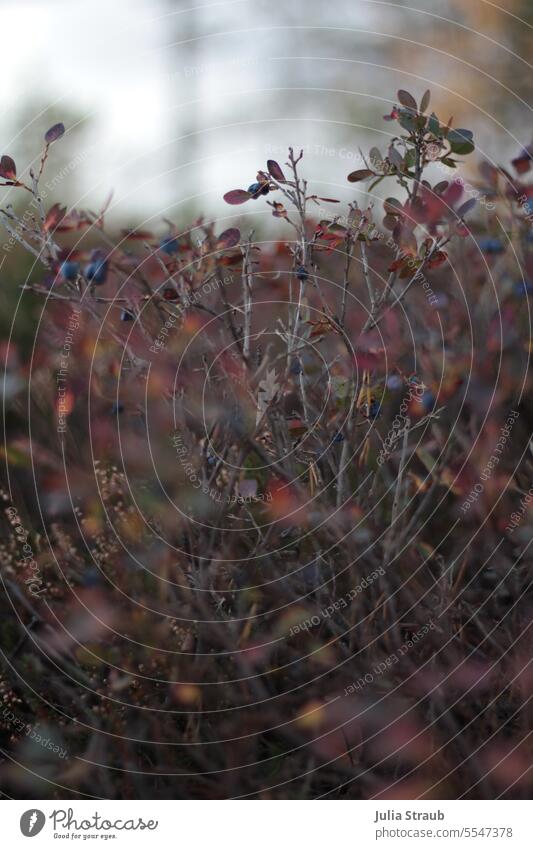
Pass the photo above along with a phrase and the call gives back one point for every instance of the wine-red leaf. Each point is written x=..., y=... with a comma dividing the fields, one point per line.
x=142, y=235
x=453, y=193
x=522, y=163
x=229, y=238
x=237, y=196
x=437, y=259
x=55, y=214
x=275, y=171
x=279, y=210
x=8, y=169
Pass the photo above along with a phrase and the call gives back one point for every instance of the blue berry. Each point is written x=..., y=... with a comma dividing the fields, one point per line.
x=257, y=189
x=301, y=273
x=428, y=400
x=523, y=288
x=394, y=382
x=96, y=271
x=296, y=366
x=491, y=246
x=169, y=245
x=92, y=577
x=117, y=408
x=374, y=409
x=69, y=270
x=126, y=315
x=338, y=437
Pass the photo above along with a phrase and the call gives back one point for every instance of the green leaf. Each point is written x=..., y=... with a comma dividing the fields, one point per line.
x=375, y=183
x=410, y=158
x=376, y=159
x=407, y=120
x=461, y=142
x=434, y=125
x=424, y=103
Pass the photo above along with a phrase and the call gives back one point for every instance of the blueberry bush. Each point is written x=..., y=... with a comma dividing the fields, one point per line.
x=267, y=495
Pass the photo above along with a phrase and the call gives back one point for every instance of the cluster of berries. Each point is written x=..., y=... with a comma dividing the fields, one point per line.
x=95, y=271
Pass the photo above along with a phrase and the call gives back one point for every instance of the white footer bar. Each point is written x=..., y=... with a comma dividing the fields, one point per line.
x=267, y=824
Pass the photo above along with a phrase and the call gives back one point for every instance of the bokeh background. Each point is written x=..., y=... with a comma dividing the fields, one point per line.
x=171, y=102
x=168, y=104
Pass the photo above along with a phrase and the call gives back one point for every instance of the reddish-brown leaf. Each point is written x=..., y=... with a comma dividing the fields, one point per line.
x=279, y=210
x=437, y=259
x=319, y=328
x=453, y=193
x=361, y=174
x=231, y=259
x=137, y=234
x=55, y=214
x=170, y=294
x=392, y=206
x=229, y=238
x=237, y=196
x=367, y=360
x=522, y=163
x=8, y=169
x=396, y=265
x=389, y=222
x=275, y=171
